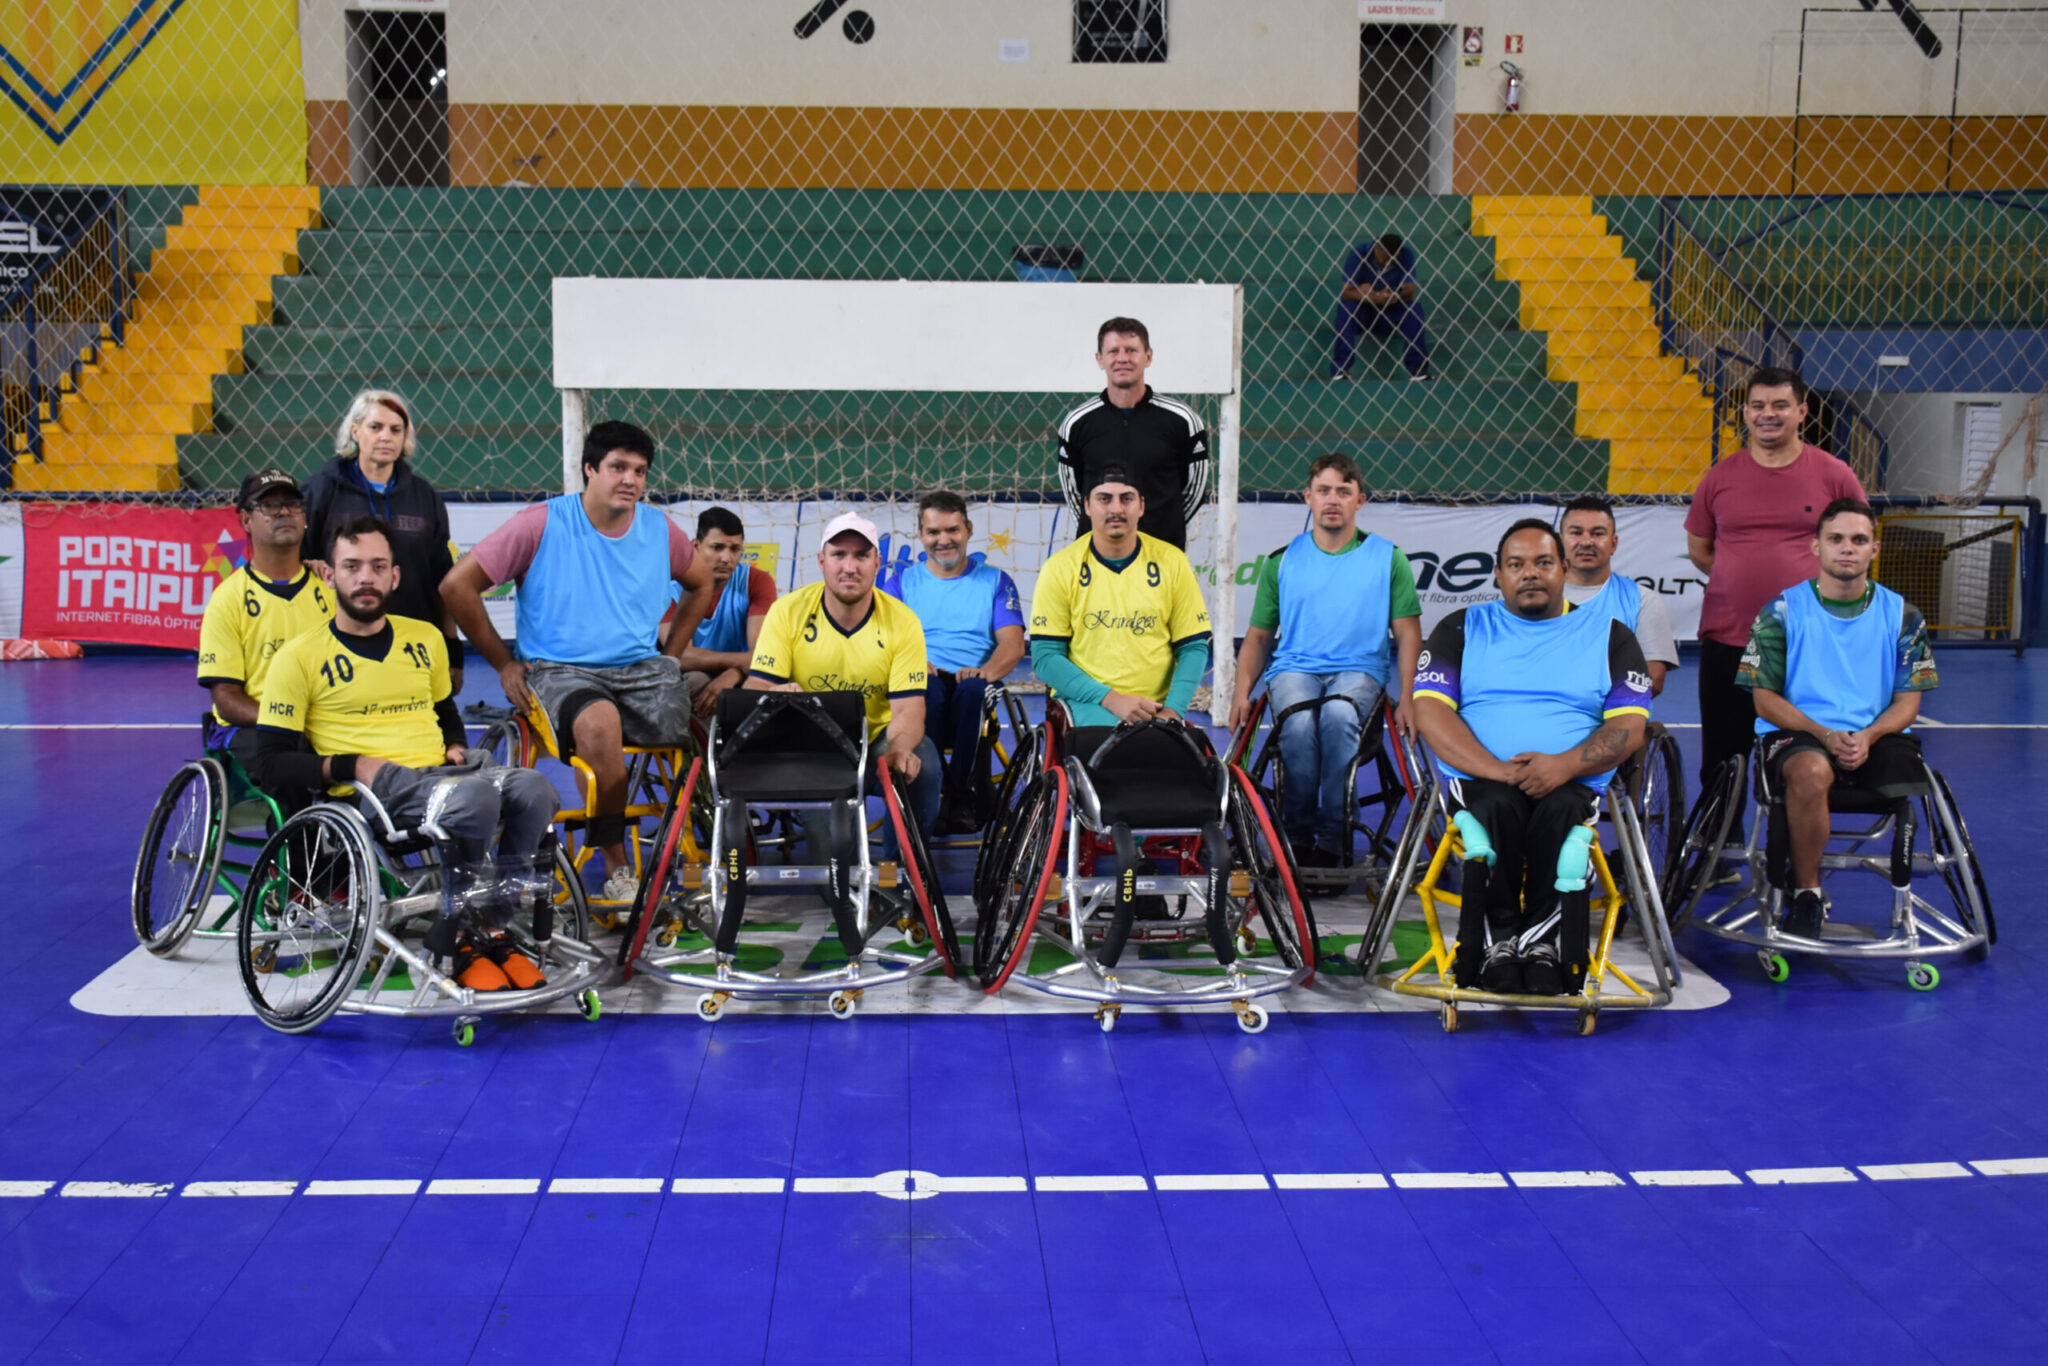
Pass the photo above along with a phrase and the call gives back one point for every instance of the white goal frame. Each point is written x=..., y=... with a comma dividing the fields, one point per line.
x=900, y=336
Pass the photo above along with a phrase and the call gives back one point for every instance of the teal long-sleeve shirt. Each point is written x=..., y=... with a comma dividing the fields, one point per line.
x=1057, y=670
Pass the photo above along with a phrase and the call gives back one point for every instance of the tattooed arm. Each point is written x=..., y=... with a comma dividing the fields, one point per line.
x=1618, y=737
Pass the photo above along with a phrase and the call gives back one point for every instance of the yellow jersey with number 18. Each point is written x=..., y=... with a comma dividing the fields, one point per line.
x=371, y=695
x=1121, y=624
x=881, y=658
x=249, y=618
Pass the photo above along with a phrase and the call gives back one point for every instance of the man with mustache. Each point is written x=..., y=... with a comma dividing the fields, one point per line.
x=1529, y=705
x=1590, y=540
x=369, y=694
x=1158, y=442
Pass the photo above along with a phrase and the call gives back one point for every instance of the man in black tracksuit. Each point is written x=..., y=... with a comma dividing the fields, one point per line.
x=1159, y=441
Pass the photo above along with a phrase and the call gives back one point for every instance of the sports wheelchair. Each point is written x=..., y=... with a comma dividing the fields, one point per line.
x=191, y=869
x=1753, y=913
x=770, y=755
x=1393, y=784
x=1431, y=843
x=1092, y=805
x=336, y=908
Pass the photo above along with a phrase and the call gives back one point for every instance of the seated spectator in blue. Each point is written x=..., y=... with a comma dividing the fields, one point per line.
x=1341, y=601
x=718, y=655
x=1529, y=705
x=1379, y=297
x=973, y=635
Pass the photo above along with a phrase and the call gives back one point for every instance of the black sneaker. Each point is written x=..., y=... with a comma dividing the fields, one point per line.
x=1804, y=916
x=1540, y=973
x=1502, y=971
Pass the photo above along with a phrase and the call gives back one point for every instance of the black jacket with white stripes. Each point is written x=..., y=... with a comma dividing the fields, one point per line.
x=1160, y=442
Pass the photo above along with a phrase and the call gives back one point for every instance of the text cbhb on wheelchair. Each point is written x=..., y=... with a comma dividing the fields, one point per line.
x=1066, y=894
x=773, y=755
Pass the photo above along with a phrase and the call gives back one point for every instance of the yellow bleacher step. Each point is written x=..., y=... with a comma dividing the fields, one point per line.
x=214, y=313
x=1666, y=452
x=1657, y=372
x=174, y=285
x=1540, y=228
x=1587, y=248
x=1627, y=424
x=94, y=476
x=1580, y=204
x=165, y=356
x=229, y=237
x=90, y=419
x=160, y=386
x=1565, y=270
x=1570, y=343
x=132, y=448
x=204, y=261
x=1587, y=294
x=301, y=196
x=1609, y=396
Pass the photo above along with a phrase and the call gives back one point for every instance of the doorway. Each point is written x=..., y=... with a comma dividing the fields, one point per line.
x=1405, y=108
x=397, y=97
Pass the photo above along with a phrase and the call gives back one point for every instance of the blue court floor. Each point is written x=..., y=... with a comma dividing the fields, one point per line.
x=1835, y=1169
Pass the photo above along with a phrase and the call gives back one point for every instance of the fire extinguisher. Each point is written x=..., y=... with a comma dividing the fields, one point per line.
x=1511, y=96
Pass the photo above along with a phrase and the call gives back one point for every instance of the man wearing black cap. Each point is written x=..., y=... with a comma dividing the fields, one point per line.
x=256, y=609
x=1159, y=443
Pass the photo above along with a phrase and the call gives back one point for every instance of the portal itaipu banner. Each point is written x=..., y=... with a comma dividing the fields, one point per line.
x=116, y=574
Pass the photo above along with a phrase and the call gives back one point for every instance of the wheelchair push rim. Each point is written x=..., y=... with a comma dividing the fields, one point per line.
x=178, y=865
x=314, y=892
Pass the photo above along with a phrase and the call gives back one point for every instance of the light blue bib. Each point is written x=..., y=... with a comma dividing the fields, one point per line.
x=1840, y=670
x=589, y=599
x=1334, y=609
x=1533, y=686
x=725, y=630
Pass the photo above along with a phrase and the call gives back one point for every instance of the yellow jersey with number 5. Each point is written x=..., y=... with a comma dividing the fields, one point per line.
x=881, y=658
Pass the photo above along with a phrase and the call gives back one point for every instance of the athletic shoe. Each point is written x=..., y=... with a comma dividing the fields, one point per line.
x=1540, y=974
x=1319, y=857
x=1805, y=916
x=519, y=970
x=1502, y=971
x=475, y=970
x=621, y=885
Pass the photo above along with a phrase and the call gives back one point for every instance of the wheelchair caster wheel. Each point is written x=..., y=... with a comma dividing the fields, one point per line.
x=1247, y=940
x=843, y=1004
x=1449, y=1017
x=1250, y=1018
x=1589, y=1020
x=465, y=1033
x=666, y=936
x=1106, y=1016
x=914, y=933
x=710, y=1003
x=1775, y=966
x=589, y=1006
x=1922, y=976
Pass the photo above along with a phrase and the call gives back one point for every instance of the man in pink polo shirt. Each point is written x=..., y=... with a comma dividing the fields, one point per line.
x=1750, y=531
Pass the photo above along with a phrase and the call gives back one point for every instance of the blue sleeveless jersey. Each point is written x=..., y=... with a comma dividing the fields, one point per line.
x=725, y=630
x=589, y=599
x=1334, y=609
x=1840, y=670
x=1534, y=686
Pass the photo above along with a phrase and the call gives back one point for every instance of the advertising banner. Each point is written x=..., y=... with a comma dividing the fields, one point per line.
x=119, y=574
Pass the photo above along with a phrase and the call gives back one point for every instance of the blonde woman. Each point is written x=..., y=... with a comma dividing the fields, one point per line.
x=372, y=473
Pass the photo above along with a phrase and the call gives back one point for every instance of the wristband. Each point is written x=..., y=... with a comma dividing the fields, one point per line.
x=341, y=768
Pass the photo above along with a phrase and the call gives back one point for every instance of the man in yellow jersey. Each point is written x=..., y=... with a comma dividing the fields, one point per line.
x=256, y=609
x=1118, y=628
x=844, y=635
x=370, y=695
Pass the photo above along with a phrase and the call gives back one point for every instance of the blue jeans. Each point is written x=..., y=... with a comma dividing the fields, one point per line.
x=952, y=717
x=1355, y=320
x=1316, y=747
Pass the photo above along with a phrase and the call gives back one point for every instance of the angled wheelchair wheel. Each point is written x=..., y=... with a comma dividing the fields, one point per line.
x=180, y=857
x=1030, y=856
x=505, y=741
x=919, y=876
x=1275, y=890
x=1657, y=788
x=1018, y=776
x=1962, y=850
x=308, y=915
x=1696, y=862
x=661, y=867
x=572, y=903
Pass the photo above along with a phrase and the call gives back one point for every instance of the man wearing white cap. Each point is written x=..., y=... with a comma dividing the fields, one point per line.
x=844, y=635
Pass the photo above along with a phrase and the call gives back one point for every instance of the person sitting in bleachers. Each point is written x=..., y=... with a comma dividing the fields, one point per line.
x=973, y=634
x=1529, y=706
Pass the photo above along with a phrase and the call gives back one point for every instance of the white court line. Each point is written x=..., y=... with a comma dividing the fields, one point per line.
x=1329, y=1181
x=116, y=1190
x=1449, y=1181
x=24, y=1190
x=1553, y=1180
x=362, y=1188
x=606, y=1185
x=731, y=1185
x=1212, y=1181
x=975, y=1185
x=1089, y=1183
x=1685, y=1178
x=201, y=1188
x=1799, y=1176
x=1915, y=1171
x=483, y=1186
x=2014, y=1166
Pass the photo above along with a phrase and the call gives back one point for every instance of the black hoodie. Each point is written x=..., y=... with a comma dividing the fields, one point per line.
x=419, y=521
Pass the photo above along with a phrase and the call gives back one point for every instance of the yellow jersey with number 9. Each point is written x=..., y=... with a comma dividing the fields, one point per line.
x=1121, y=625
x=249, y=618
x=371, y=695
x=881, y=658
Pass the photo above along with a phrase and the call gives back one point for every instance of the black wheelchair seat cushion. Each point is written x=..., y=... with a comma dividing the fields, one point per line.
x=756, y=776
x=1151, y=779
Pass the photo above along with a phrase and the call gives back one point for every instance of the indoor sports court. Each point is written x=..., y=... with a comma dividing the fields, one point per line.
x=1105, y=1060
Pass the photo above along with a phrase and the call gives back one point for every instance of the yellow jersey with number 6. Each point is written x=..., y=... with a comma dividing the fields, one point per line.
x=249, y=618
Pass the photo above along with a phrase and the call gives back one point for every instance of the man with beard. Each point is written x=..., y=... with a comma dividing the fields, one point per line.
x=369, y=695
x=256, y=609
x=841, y=635
x=1529, y=706
x=974, y=636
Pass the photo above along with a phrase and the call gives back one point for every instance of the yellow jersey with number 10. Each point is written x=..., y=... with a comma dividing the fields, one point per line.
x=1121, y=625
x=248, y=619
x=371, y=695
x=881, y=658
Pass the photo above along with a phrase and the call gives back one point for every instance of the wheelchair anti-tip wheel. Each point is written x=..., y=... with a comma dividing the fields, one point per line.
x=180, y=857
x=308, y=913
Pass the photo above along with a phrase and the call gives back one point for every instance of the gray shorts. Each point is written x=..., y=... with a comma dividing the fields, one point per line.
x=652, y=701
x=465, y=806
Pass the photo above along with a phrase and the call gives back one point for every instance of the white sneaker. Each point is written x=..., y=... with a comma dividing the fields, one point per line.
x=621, y=885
